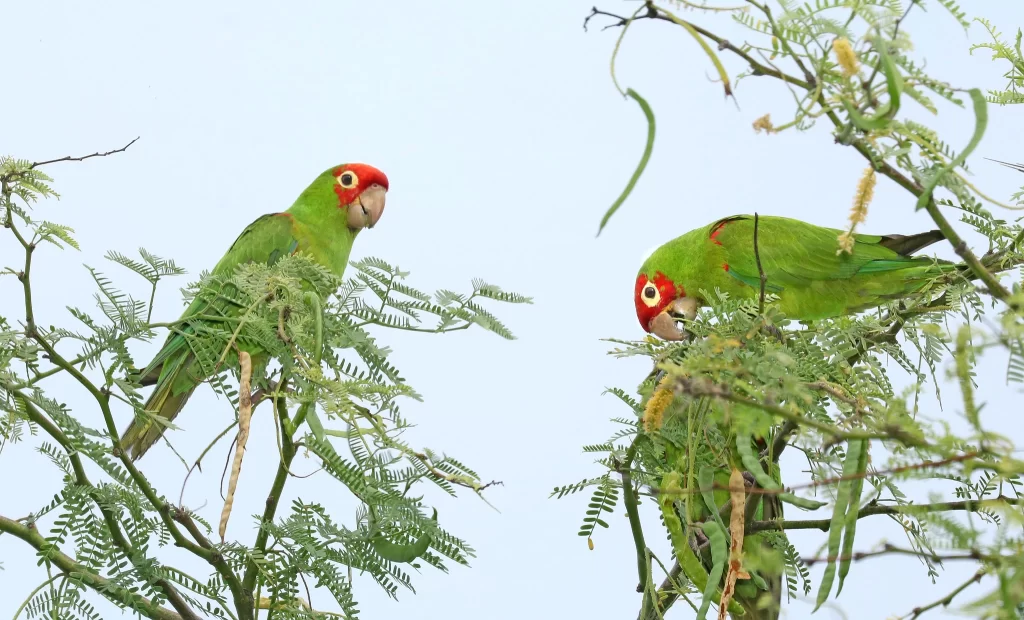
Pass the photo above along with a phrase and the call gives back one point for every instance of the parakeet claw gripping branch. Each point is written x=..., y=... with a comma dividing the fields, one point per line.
x=323, y=222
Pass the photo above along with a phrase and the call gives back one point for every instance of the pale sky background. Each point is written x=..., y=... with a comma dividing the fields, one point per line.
x=504, y=141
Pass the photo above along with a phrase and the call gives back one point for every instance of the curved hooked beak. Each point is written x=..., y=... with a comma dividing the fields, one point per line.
x=664, y=325
x=367, y=208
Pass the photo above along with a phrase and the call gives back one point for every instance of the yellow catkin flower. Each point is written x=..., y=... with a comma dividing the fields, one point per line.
x=764, y=124
x=846, y=57
x=859, y=211
x=865, y=192
x=244, y=417
x=654, y=413
x=845, y=243
x=590, y=543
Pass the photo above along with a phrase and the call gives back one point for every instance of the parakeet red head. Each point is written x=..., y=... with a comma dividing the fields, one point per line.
x=658, y=300
x=652, y=295
x=361, y=189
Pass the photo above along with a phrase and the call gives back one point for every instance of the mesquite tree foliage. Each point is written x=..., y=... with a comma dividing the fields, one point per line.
x=333, y=393
x=701, y=437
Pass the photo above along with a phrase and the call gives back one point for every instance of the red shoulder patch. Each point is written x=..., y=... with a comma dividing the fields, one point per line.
x=714, y=233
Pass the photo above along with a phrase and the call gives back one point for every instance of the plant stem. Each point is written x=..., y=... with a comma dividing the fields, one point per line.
x=632, y=510
x=946, y=600
x=877, y=509
x=102, y=398
x=274, y=497
x=28, y=599
x=118, y=595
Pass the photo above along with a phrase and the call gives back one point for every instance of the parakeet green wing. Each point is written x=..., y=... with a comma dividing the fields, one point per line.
x=174, y=369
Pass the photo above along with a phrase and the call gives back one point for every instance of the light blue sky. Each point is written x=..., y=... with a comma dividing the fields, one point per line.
x=504, y=141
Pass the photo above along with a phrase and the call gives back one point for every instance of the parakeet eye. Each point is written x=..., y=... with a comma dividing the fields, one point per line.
x=650, y=295
x=348, y=180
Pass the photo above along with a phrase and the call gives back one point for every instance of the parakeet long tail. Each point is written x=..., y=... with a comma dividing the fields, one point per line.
x=174, y=386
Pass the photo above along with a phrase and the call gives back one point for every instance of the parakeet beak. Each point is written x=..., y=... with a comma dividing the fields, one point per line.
x=367, y=208
x=664, y=325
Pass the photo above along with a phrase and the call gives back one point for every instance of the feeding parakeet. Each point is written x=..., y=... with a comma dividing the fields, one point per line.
x=799, y=260
x=323, y=222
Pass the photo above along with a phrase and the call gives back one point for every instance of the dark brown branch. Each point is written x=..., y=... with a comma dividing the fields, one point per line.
x=83, y=157
x=1017, y=167
x=946, y=600
x=888, y=549
x=756, y=67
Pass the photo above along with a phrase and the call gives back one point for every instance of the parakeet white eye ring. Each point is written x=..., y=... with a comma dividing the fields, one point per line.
x=650, y=296
x=348, y=179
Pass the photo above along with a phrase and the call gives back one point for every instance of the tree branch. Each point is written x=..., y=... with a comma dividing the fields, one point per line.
x=888, y=549
x=756, y=67
x=122, y=542
x=274, y=497
x=84, y=157
x=878, y=509
x=102, y=398
x=118, y=595
x=946, y=600
x=959, y=245
x=703, y=387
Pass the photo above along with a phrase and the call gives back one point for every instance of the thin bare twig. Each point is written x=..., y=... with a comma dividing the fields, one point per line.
x=878, y=509
x=888, y=549
x=760, y=270
x=83, y=157
x=946, y=600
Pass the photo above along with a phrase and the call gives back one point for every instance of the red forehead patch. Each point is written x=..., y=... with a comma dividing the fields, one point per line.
x=668, y=291
x=367, y=175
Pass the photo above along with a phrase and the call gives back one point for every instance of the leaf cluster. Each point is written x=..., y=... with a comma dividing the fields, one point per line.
x=333, y=391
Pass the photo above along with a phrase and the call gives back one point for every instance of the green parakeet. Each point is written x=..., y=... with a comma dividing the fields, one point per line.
x=800, y=261
x=323, y=222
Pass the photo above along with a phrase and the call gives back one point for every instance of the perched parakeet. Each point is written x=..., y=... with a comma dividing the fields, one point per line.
x=323, y=222
x=800, y=261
